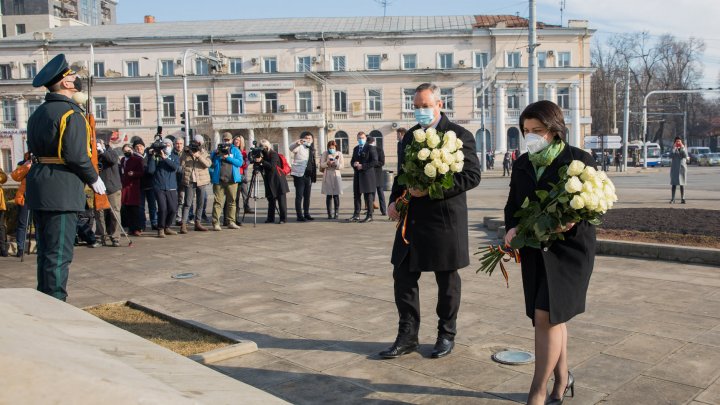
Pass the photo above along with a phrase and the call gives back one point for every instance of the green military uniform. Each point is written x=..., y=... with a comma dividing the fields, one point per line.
x=59, y=139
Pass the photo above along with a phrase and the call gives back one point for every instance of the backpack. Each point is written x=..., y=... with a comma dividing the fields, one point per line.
x=284, y=167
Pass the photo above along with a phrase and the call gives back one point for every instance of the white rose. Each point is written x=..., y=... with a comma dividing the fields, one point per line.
x=609, y=193
x=609, y=204
x=433, y=140
x=577, y=203
x=458, y=144
x=424, y=154
x=459, y=156
x=419, y=135
x=437, y=163
x=587, y=187
x=449, y=140
x=603, y=175
x=602, y=207
x=573, y=185
x=430, y=170
x=610, y=184
x=431, y=131
x=456, y=167
x=447, y=157
x=588, y=174
x=576, y=167
x=449, y=148
x=591, y=202
x=444, y=168
x=597, y=183
x=435, y=154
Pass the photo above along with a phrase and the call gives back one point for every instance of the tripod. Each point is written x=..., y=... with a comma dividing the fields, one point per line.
x=252, y=191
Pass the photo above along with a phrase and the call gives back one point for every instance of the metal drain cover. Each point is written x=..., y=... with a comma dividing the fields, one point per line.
x=181, y=276
x=514, y=357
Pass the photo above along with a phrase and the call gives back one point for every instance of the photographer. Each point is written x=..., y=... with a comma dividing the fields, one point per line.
x=147, y=195
x=163, y=166
x=195, y=162
x=225, y=176
x=178, y=148
x=108, y=162
x=304, y=173
x=242, y=194
x=275, y=183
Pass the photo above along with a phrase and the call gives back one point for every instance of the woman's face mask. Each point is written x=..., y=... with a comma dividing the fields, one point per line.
x=535, y=143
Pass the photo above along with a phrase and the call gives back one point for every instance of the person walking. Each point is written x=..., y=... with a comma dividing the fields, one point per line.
x=304, y=174
x=507, y=162
x=131, y=173
x=58, y=137
x=225, y=176
x=379, y=184
x=618, y=161
x=435, y=238
x=331, y=164
x=194, y=163
x=556, y=277
x=163, y=167
x=363, y=162
x=678, y=169
x=276, y=186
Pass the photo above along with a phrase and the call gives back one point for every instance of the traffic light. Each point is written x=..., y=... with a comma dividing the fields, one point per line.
x=182, y=119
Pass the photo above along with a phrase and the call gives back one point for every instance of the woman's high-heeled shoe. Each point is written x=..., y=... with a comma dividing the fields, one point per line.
x=569, y=387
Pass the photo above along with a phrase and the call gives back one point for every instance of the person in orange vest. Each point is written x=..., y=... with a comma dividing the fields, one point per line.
x=3, y=210
x=22, y=169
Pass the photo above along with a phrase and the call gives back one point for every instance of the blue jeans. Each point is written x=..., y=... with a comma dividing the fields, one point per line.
x=22, y=223
x=194, y=196
x=149, y=196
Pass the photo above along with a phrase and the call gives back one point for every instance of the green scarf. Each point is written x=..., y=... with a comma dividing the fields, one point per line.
x=545, y=157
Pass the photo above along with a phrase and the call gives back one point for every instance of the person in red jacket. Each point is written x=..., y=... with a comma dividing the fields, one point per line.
x=19, y=174
x=131, y=171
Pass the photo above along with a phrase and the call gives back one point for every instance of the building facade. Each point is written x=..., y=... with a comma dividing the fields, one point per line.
x=331, y=76
x=23, y=16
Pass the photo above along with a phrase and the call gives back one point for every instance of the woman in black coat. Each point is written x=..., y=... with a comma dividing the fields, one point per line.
x=555, y=278
x=276, y=185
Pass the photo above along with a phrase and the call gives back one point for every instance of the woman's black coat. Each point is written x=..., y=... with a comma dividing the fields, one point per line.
x=275, y=183
x=568, y=263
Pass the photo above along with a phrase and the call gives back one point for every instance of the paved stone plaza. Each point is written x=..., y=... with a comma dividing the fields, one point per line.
x=317, y=299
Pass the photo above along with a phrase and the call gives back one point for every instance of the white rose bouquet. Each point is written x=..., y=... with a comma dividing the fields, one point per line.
x=582, y=194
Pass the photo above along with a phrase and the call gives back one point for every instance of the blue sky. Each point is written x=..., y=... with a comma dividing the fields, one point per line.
x=607, y=16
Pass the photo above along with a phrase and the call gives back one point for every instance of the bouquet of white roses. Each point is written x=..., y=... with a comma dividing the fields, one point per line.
x=582, y=194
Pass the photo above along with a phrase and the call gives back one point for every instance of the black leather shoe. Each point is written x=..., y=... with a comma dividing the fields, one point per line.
x=352, y=219
x=269, y=221
x=442, y=348
x=301, y=219
x=309, y=218
x=399, y=348
x=366, y=219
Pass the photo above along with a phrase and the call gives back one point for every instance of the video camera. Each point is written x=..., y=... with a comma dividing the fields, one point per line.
x=255, y=152
x=158, y=145
x=224, y=148
x=194, y=147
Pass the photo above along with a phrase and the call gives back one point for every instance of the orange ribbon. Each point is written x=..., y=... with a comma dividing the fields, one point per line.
x=507, y=255
x=404, y=204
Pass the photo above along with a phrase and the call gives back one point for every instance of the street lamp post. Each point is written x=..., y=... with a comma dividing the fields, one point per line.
x=185, y=98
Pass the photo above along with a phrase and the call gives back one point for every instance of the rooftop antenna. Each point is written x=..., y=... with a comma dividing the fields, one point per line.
x=384, y=4
x=563, y=6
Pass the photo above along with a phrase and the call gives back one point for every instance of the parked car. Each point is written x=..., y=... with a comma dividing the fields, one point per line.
x=709, y=159
x=665, y=159
x=695, y=151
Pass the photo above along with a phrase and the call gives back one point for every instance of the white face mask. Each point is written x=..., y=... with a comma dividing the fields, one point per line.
x=535, y=143
x=80, y=98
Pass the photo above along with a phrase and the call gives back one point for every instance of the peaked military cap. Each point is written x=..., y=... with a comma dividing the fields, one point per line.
x=53, y=72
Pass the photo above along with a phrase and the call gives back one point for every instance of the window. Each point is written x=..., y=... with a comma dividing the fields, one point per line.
x=236, y=104
x=133, y=68
x=374, y=100
x=270, y=65
x=167, y=68
x=33, y=105
x=341, y=139
x=481, y=60
x=542, y=59
x=5, y=72
x=168, y=106
x=101, y=107
x=541, y=92
x=340, y=101
x=271, y=103
x=235, y=66
x=30, y=70
x=513, y=99
x=513, y=60
x=563, y=97
x=303, y=64
x=134, y=107
x=18, y=7
x=408, y=99
x=203, y=105
x=304, y=101
x=6, y=164
x=479, y=99
x=409, y=61
x=19, y=29
x=9, y=114
x=4, y=30
x=339, y=63
x=201, y=67
x=99, y=69
x=563, y=59
x=445, y=61
x=446, y=95
x=373, y=62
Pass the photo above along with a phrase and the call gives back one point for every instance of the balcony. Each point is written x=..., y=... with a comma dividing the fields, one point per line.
x=168, y=120
x=373, y=116
x=408, y=115
x=449, y=114
x=133, y=122
x=254, y=121
x=203, y=120
x=513, y=113
x=478, y=114
x=101, y=122
x=340, y=116
x=8, y=125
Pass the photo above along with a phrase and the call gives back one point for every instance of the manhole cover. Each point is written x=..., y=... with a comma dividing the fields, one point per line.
x=514, y=357
x=181, y=276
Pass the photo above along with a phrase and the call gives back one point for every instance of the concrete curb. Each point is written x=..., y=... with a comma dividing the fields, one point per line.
x=243, y=346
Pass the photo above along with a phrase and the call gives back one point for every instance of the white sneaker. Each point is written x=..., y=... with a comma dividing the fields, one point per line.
x=216, y=227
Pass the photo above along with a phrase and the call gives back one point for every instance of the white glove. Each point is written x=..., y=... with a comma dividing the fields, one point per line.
x=99, y=186
x=100, y=147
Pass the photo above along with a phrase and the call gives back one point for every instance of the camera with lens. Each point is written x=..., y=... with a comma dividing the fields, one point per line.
x=157, y=146
x=255, y=152
x=223, y=148
x=194, y=147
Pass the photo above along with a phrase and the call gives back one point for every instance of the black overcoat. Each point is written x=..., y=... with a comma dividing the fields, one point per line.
x=379, y=167
x=365, y=177
x=437, y=230
x=275, y=183
x=59, y=187
x=568, y=263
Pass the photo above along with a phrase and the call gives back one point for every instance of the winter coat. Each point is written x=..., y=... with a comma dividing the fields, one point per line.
x=275, y=183
x=678, y=167
x=437, y=230
x=131, y=182
x=110, y=170
x=568, y=263
x=365, y=177
x=3, y=179
x=332, y=180
x=379, y=167
x=235, y=158
x=197, y=167
x=303, y=162
x=164, y=172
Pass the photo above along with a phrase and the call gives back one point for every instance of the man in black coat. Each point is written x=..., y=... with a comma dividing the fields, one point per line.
x=364, y=160
x=437, y=236
x=59, y=140
x=379, y=184
x=107, y=220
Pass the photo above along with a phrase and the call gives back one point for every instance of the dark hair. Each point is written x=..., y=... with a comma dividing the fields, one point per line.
x=401, y=130
x=677, y=138
x=370, y=140
x=306, y=133
x=548, y=113
x=331, y=142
